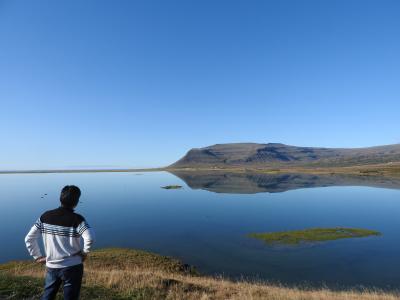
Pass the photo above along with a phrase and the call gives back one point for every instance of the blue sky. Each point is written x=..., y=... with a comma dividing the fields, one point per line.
x=138, y=83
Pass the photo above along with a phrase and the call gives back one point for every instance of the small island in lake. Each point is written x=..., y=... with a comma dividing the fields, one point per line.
x=172, y=187
x=295, y=237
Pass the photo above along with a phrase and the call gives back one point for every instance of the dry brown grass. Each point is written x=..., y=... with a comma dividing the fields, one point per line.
x=148, y=276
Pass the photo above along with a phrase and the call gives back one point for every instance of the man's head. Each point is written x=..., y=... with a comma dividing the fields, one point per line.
x=70, y=196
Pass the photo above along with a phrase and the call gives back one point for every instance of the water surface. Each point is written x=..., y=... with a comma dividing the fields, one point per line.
x=206, y=223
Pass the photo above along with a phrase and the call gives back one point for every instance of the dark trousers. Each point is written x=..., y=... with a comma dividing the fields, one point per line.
x=71, y=277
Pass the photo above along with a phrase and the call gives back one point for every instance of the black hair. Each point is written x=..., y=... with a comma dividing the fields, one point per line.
x=70, y=196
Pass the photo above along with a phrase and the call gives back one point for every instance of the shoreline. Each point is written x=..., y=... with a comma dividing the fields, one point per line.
x=392, y=169
x=363, y=170
x=121, y=273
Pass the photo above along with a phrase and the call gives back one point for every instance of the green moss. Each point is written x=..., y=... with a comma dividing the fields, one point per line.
x=26, y=287
x=295, y=237
x=172, y=187
x=125, y=259
x=20, y=287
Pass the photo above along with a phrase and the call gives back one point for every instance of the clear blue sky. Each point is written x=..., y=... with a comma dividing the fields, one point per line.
x=138, y=83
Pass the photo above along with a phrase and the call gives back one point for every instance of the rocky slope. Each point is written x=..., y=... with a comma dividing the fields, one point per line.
x=275, y=155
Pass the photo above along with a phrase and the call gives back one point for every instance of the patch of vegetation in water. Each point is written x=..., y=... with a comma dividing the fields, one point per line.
x=172, y=187
x=295, y=237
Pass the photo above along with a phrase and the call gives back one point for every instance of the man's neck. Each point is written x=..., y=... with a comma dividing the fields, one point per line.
x=67, y=208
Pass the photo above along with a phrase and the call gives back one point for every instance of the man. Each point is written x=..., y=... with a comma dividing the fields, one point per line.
x=62, y=231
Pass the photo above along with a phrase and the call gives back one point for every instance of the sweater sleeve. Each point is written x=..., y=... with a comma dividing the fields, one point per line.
x=87, y=234
x=32, y=240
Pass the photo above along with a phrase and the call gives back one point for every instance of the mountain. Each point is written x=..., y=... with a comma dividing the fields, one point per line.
x=280, y=155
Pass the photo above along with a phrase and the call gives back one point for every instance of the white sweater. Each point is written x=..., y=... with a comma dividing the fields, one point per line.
x=65, y=235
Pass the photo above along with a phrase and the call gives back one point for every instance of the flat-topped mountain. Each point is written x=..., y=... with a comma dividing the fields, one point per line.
x=278, y=155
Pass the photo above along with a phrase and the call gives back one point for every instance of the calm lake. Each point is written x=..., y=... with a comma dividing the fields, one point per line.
x=206, y=223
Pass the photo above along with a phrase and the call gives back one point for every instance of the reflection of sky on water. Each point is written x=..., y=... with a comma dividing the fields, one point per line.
x=209, y=229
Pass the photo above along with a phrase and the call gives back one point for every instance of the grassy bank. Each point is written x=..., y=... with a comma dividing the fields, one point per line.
x=132, y=274
x=294, y=237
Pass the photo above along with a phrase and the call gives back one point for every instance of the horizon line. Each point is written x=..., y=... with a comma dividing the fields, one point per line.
x=47, y=171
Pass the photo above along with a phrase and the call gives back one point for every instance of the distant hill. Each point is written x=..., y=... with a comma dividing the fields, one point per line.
x=277, y=155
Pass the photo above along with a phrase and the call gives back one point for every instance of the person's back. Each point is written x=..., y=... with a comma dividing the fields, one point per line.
x=62, y=231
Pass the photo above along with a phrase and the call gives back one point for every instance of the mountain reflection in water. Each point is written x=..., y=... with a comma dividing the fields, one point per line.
x=251, y=183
